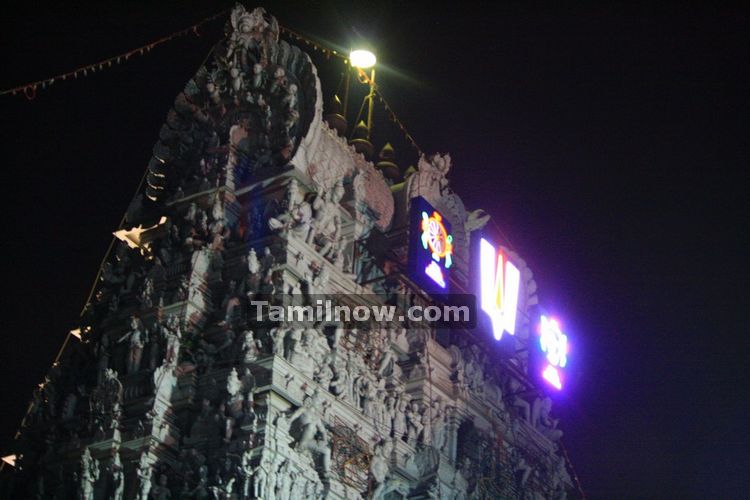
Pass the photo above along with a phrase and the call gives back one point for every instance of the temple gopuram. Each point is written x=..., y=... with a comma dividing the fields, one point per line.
x=182, y=382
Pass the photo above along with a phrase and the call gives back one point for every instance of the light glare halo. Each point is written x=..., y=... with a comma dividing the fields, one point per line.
x=362, y=59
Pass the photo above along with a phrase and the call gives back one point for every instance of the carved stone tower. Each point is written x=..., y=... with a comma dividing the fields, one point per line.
x=182, y=386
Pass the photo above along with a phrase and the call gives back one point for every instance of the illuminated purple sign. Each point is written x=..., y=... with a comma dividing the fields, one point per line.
x=553, y=344
x=430, y=247
x=500, y=284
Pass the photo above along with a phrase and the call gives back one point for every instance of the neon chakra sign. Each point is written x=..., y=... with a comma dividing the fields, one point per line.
x=500, y=283
x=554, y=344
x=439, y=243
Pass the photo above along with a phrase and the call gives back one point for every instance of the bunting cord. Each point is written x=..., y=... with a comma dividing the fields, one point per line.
x=575, y=474
x=29, y=89
x=388, y=109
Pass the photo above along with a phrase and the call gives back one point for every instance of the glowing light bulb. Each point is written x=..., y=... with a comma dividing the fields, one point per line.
x=362, y=59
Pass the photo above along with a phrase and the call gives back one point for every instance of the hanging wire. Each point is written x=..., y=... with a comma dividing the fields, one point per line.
x=107, y=254
x=573, y=469
x=389, y=110
x=502, y=234
x=29, y=90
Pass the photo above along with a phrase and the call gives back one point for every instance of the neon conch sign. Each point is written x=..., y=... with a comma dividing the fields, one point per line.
x=500, y=284
x=554, y=344
x=439, y=243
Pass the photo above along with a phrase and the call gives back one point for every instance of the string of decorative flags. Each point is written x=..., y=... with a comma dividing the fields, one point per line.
x=29, y=89
x=389, y=110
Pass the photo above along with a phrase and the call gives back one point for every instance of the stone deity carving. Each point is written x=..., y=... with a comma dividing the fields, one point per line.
x=137, y=337
x=144, y=477
x=89, y=475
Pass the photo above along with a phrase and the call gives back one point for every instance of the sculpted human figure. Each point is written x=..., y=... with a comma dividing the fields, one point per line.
x=284, y=480
x=251, y=346
x=326, y=227
x=368, y=394
x=137, y=338
x=297, y=215
x=379, y=466
x=340, y=386
x=246, y=473
x=542, y=421
x=144, y=477
x=161, y=491
x=253, y=264
x=118, y=477
x=234, y=385
x=173, y=336
x=514, y=389
x=426, y=428
x=265, y=478
x=295, y=345
x=399, y=417
x=414, y=423
x=321, y=213
x=439, y=420
x=201, y=489
x=310, y=422
x=324, y=375
x=89, y=475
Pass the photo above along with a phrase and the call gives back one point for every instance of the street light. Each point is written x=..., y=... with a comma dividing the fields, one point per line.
x=364, y=59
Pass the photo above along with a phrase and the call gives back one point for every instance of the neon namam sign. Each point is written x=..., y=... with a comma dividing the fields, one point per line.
x=500, y=284
x=439, y=243
x=554, y=346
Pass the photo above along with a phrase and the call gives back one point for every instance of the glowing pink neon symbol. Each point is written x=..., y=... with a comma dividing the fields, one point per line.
x=500, y=283
x=434, y=272
x=554, y=343
x=552, y=376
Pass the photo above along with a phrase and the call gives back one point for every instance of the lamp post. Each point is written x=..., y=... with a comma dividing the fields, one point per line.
x=364, y=59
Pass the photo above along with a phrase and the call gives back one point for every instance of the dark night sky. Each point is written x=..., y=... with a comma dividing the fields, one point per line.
x=608, y=141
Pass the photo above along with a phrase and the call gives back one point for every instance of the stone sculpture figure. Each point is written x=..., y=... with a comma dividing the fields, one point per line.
x=541, y=420
x=326, y=227
x=118, y=477
x=414, y=423
x=399, y=416
x=295, y=348
x=173, y=337
x=253, y=264
x=426, y=428
x=89, y=475
x=201, y=489
x=234, y=386
x=251, y=346
x=324, y=375
x=439, y=421
x=284, y=480
x=136, y=335
x=246, y=473
x=314, y=436
x=161, y=490
x=320, y=214
x=380, y=467
x=516, y=400
x=309, y=421
x=264, y=482
x=144, y=477
x=297, y=215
